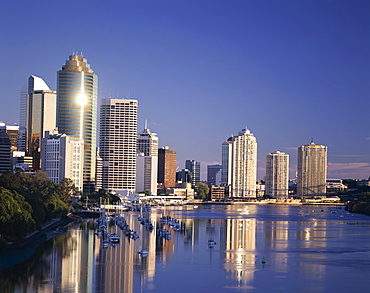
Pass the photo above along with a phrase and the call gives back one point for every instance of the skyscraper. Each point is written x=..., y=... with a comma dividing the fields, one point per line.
x=77, y=91
x=146, y=173
x=147, y=161
x=194, y=168
x=312, y=166
x=214, y=174
x=277, y=175
x=38, y=114
x=239, y=164
x=167, y=167
x=5, y=151
x=118, y=143
x=147, y=143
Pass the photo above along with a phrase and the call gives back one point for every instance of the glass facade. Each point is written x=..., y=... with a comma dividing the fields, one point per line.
x=77, y=88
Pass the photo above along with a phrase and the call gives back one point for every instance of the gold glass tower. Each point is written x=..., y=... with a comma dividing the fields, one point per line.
x=77, y=97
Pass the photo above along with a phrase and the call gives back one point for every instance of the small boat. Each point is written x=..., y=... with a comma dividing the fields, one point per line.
x=143, y=252
x=114, y=238
x=211, y=243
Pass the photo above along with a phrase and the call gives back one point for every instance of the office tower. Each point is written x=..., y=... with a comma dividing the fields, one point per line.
x=312, y=164
x=277, y=175
x=62, y=157
x=77, y=91
x=147, y=161
x=239, y=164
x=38, y=114
x=146, y=173
x=13, y=133
x=226, y=161
x=147, y=142
x=214, y=175
x=166, y=167
x=5, y=151
x=33, y=84
x=194, y=168
x=118, y=143
x=185, y=177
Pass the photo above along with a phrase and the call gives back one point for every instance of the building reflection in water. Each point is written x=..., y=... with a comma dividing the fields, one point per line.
x=240, y=245
x=79, y=263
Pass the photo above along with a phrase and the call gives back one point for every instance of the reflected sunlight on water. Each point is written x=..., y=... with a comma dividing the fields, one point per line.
x=218, y=248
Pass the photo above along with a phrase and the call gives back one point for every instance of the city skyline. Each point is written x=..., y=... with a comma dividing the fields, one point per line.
x=286, y=71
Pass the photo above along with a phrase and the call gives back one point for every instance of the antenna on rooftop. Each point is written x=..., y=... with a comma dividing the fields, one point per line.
x=146, y=124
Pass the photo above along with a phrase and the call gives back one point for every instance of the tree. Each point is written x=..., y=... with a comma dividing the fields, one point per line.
x=202, y=190
x=15, y=215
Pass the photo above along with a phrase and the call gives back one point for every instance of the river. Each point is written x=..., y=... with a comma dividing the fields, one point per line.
x=258, y=248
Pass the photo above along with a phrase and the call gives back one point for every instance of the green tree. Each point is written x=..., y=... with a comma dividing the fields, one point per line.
x=15, y=215
x=202, y=190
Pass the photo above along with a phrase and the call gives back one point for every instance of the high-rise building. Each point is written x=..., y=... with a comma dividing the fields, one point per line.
x=277, y=175
x=5, y=152
x=239, y=164
x=13, y=132
x=147, y=161
x=99, y=171
x=194, y=168
x=147, y=143
x=146, y=173
x=62, y=157
x=118, y=143
x=166, y=167
x=214, y=175
x=77, y=97
x=37, y=115
x=184, y=177
x=312, y=166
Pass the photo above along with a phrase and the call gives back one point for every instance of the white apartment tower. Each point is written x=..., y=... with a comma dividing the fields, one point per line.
x=312, y=166
x=118, y=143
x=239, y=164
x=62, y=157
x=277, y=175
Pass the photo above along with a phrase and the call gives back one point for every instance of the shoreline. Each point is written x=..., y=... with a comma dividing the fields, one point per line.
x=16, y=253
x=36, y=236
x=269, y=203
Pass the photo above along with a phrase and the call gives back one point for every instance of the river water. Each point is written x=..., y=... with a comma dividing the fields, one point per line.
x=259, y=248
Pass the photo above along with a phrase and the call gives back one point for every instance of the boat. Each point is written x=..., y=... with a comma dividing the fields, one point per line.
x=114, y=238
x=211, y=243
x=143, y=252
x=105, y=244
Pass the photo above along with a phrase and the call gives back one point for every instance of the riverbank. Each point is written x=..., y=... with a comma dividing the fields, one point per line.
x=268, y=202
x=16, y=253
x=48, y=231
x=360, y=207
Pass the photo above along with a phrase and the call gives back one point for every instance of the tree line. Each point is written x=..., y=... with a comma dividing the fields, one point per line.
x=29, y=201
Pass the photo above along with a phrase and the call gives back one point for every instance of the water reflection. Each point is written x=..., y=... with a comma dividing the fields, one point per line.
x=295, y=245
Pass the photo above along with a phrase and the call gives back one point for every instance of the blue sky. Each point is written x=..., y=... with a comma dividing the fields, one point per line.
x=204, y=70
